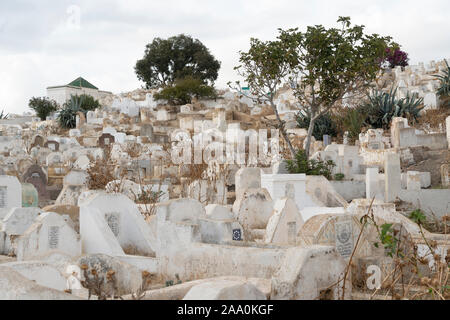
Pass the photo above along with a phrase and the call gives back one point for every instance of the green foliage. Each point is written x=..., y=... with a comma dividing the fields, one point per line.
x=68, y=114
x=388, y=239
x=184, y=90
x=43, y=106
x=88, y=103
x=3, y=115
x=418, y=217
x=339, y=176
x=301, y=164
x=324, y=125
x=352, y=122
x=380, y=107
x=178, y=57
x=444, y=85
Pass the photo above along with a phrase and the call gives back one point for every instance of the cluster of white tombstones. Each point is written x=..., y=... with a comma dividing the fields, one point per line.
x=257, y=232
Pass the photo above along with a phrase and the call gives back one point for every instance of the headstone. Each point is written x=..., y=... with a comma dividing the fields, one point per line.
x=392, y=172
x=326, y=140
x=445, y=175
x=52, y=145
x=105, y=140
x=373, y=184
x=30, y=196
x=246, y=178
x=36, y=176
x=284, y=223
x=112, y=224
x=50, y=231
x=413, y=181
x=10, y=192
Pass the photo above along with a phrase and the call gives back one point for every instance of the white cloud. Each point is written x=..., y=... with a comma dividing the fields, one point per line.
x=39, y=49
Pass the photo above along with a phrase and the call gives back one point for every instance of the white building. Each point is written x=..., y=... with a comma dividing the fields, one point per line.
x=77, y=87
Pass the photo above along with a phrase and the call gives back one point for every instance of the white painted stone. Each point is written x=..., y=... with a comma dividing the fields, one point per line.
x=218, y=212
x=288, y=186
x=225, y=290
x=40, y=272
x=112, y=224
x=17, y=287
x=10, y=192
x=392, y=173
x=246, y=178
x=373, y=184
x=284, y=223
x=305, y=272
x=413, y=181
x=50, y=231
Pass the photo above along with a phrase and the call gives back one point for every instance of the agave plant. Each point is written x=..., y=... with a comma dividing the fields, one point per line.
x=381, y=107
x=444, y=89
x=68, y=115
x=3, y=115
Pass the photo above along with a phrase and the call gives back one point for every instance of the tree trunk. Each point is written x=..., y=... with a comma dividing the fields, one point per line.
x=283, y=131
x=308, y=137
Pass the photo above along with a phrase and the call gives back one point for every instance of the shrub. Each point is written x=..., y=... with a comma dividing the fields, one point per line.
x=301, y=164
x=339, y=176
x=444, y=86
x=88, y=103
x=396, y=57
x=68, y=114
x=43, y=106
x=324, y=125
x=184, y=90
x=351, y=120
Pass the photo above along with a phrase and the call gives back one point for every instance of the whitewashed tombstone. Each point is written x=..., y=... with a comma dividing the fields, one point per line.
x=112, y=224
x=284, y=223
x=10, y=192
x=246, y=178
x=50, y=231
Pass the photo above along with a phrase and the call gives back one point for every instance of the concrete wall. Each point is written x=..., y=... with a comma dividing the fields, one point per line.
x=436, y=201
x=350, y=190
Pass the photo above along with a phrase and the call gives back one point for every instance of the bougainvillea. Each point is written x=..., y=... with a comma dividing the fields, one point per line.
x=396, y=57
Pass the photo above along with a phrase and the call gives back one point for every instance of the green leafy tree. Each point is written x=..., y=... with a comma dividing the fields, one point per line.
x=184, y=90
x=88, y=103
x=324, y=65
x=166, y=60
x=43, y=106
x=266, y=66
x=332, y=65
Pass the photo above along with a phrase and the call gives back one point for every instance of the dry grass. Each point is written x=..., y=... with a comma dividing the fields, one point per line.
x=433, y=119
x=133, y=149
x=100, y=171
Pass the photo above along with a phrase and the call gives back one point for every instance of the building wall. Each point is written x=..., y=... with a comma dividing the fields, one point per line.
x=62, y=94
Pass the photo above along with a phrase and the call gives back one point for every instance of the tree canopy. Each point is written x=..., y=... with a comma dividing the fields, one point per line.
x=324, y=66
x=178, y=57
x=43, y=106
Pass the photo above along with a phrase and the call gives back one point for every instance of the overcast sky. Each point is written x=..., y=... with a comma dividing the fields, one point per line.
x=45, y=43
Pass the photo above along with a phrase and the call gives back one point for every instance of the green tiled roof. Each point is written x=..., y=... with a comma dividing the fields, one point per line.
x=82, y=83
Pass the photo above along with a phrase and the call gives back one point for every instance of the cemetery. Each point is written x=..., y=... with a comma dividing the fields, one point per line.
x=228, y=196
